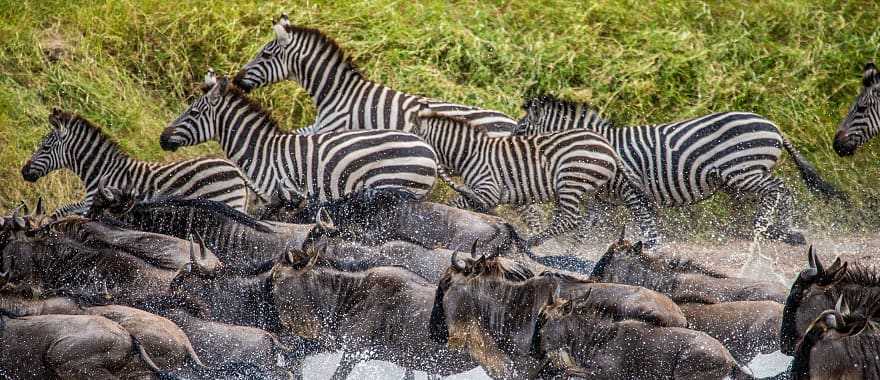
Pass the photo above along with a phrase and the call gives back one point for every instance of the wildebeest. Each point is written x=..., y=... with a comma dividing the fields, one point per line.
x=575, y=336
x=839, y=345
x=489, y=308
x=237, y=239
x=817, y=288
x=68, y=347
x=746, y=328
x=90, y=257
x=378, y=216
x=217, y=343
x=377, y=313
x=166, y=343
x=682, y=280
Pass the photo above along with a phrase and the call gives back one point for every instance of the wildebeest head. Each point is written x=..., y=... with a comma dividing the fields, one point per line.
x=817, y=288
x=488, y=306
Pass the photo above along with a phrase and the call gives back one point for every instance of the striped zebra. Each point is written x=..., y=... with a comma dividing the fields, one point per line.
x=289, y=166
x=344, y=98
x=685, y=162
x=77, y=144
x=863, y=120
x=565, y=167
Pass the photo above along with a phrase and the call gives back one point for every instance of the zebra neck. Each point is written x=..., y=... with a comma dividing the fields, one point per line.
x=328, y=79
x=103, y=159
x=250, y=139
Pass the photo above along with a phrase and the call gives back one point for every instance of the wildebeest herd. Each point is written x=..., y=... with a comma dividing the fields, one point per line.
x=324, y=241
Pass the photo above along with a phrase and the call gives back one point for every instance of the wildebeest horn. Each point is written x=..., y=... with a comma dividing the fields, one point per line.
x=841, y=306
x=16, y=219
x=811, y=257
x=39, y=209
x=458, y=263
x=474, y=248
x=622, y=234
x=196, y=260
x=820, y=269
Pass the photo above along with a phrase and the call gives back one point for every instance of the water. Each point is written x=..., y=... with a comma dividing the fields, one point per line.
x=321, y=367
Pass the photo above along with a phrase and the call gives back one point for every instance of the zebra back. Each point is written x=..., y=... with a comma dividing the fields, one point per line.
x=77, y=144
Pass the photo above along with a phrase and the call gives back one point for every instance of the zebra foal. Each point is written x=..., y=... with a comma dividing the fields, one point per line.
x=288, y=166
x=77, y=144
x=684, y=162
x=566, y=167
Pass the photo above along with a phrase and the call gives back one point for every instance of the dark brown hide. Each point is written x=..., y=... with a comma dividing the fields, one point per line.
x=746, y=328
x=577, y=337
x=681, y=280
x=68, y=347
x=380, y=312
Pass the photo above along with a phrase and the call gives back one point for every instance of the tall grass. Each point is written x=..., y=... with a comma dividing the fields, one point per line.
x=131, y=66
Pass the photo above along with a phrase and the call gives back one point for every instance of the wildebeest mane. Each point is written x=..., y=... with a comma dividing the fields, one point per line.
x=177, y=203
x=683, y=265
x=356, y=206
x=863, y=275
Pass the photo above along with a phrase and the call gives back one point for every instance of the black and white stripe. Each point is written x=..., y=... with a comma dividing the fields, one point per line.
x=289, y=166
x=344, y=99
x=863, y=120
x=685, y=162
x=77, y=144
x=566, y=167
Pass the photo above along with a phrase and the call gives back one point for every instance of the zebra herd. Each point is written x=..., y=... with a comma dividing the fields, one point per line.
x=367, y=135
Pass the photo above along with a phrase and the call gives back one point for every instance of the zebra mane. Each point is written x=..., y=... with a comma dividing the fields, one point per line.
x=327, y=40
x=458, y=119
x=66, y=119
x=211, y=206
x=229, y=87
x=570, y=106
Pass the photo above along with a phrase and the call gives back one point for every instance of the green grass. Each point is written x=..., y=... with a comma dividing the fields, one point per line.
x=131, y=67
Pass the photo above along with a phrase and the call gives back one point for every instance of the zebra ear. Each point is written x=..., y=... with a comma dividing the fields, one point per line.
x=281, y=33
x=870, y=77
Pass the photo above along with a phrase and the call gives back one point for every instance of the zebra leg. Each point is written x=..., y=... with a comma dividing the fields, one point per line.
x=346, y=365
x=774, y=199
x=594, y=215
x=645, y=213
x=564, y=217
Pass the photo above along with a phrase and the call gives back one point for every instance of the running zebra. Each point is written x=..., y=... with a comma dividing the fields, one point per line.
x=77, y=144
x=863, y=120
x=565, y=167
x=685, y=162
x=289, y=166
x=344, y=98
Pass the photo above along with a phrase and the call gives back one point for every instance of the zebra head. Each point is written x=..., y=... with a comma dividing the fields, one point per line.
x=863, y=120
x=52, y=152
x=530, y=123
x=197, y=124
x=274, y=61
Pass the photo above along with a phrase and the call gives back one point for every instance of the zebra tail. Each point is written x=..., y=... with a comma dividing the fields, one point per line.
x=811, y=177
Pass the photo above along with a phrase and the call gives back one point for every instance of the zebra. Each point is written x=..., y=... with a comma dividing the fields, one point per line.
x=565, y=167
x=344, y=98
x=684, y=162
x=77, y=144
x=863, y=120
x=289, y=166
